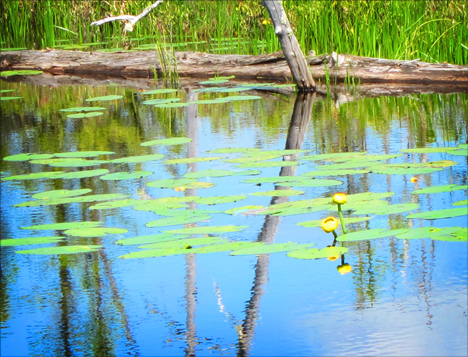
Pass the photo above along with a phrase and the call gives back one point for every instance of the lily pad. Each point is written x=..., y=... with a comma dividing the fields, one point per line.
x=168, y=141
x=347, y=220
x=388, y=209
x=83, y=109
x=234, y=151
x=247, y=173
x=152, y=238
x=262, y=164
x=72, y=249
x=84, y=115
x=82, y=174
x=403, y=171
x=243, y=209
x=274, y=179
x=60, y=193
x=427, y=232
x=313, y=183
x=153, y=253
x=63, y=226
x=252, y=158
x=460, y=203
x=191, y=160
x=461, y=152
x=209, y=173
x=438, y=189
x=171, y=105
x=160, y=101
x=319, y=173
x=278, y=193
x=34, y=176
x=117, y=204
x=126, y=175
x=137, y=159
x=170, y=183
x=160, y=91
x=207, y=230
x=22, y=72
x=104, y=98
x=270, y=248
x=180, y=243
x=428, y=150
x=370, y=234
x=460, y=235
x=77, y=154
x=29, y=241
x=9, y=98
x=94, y=232
x=178, y=220
x=331, y=156
x=157, y=206
x=66, y=200
x=26, y=157
x=442, y=213
x=313, y=253
x=214, y=200
x=69, y=162
x=224, y=247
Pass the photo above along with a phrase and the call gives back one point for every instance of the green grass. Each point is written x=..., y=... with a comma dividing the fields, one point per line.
x=434, y=30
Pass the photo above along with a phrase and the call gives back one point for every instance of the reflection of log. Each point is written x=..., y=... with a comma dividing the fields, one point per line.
x=271, y=66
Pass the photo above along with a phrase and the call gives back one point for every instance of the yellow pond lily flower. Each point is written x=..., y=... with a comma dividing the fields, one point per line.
x=414, y=179
x=329, y=224
x=179, y=189
x=344, y=268
x=340, y=198
x=333, y=257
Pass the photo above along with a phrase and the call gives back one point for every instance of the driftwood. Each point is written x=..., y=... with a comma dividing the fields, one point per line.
x=326, y=68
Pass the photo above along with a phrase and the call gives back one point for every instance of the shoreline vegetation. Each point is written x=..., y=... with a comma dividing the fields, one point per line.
x=432, y=31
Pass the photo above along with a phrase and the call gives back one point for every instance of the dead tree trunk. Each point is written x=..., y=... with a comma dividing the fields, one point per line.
x=291, y=49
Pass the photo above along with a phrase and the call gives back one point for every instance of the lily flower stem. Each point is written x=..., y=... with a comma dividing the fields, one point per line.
x=341, y=219
x=335, y=235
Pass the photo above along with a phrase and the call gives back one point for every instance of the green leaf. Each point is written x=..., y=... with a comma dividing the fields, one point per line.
x=9, y=98
x=170, y=183
x=190, y=160
x=180, y=243
x=274, y=179
x=69, y=162
x=94, y=232
x=234, y=151
x=333, y=156
x=63, y=226
x=224, y=247
x=160, y=101
x=442, y=213
x=117, y=204
x=253, y=158
x=207, y=230
x=214, y=200
x=313, y=253
x=313, y=183
x=104, y=98
x=270, y=248
x=160, y=91
x=76, y=154
x=137, y=159
x=428, y=150
x=72, y=249
x=82, y=174
x=26, y=157
x=460, y=235
x=178, y=220
x=335, y=172
x=60, y=193
x=22, y=72
x=427, y=232
x=66, y=200
x=262, y=164
x=209, y=173
x=369, y=234
x=243, y=209
x=188, y=212
x=383, y=169
x=388, y=209
x=171, y=105
x=247, y=173
x=126, y=175
x=34, y=176
x=84, y=115
x=153, y=253
x=461, y=152
x=28, y=241
x=460, y=203
x=152, y=238
x=168, y=141
x=438, y=189
x=278, y=193
x=82, y=109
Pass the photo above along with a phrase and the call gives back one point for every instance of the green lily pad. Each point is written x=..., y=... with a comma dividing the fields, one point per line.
x=152, y=238
x=26, y=157
x=253, y=158
x=157, y=206
x=160, y=101
x=233, y=151
x=427, y=232
x=104, y=98
x=65, y=200
x=243, y=209
x=168, y=141
x=278, y=193
x=171, y=105
x=126, y=175
x=370, y=234
x=438, y=189
x=388, y=209
x=94, y=232
x=247, y=173
x=262, y=164
x=312, y=183
x=180, y=243
x=214, y=200
x=82, y=109
x=22, y=72
x=332, y=156
x=214, y=81
x=274, y=179
x=170, y=183
x=69, y=162
x=34, y=176
x=291, y=211
x=209, y=173
x=63, y=226
x=117, y=204
x=82, y=174
x=28, y=241
x=347, y=220
x=460, y=203
x=60, y=193
x=319, y=173
x=224, y=247
x=313, y=253
x=178, y=220
x=72, y=249
x=270, y=248
x=461, y=152
x=207, y=230
x=160, y=91
x=153, y=253
x=9, y=98
x=190, y=160
x=78, y=154
x=460, y=235
x=403, y=171
x=442, y=213
x=428, y=150
x=84, y=115
x=137, y=159
x=371, y=205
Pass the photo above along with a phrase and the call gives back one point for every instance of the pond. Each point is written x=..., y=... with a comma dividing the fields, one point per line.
x=211, y=244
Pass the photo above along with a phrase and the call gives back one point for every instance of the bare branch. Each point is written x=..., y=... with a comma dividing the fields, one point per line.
x=130, y=18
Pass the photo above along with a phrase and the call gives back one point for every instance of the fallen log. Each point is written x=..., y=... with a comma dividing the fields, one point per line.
x=334, y=68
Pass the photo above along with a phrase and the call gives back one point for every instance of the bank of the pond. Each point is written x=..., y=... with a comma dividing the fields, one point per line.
x=147, y=64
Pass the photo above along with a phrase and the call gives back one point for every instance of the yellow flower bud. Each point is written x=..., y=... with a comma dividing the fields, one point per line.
x=329, y=224
x=344, y=268
x=414, y=179
x=179, y=189
x=340, y=198
x=333, y=257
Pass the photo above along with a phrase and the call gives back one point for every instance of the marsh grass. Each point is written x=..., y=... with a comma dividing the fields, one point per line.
x=434, y=30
